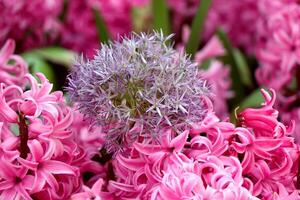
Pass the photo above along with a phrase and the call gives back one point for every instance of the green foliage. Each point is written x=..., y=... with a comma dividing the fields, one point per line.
x=55, y=54
x=43, y=59
x=243, y=67
x=102, y=31
x=197, y=27
x=255, y=99
x=37, y=64
x=161, y=16
x=234, y=70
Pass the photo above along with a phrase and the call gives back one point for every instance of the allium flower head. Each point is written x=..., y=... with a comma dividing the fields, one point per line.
x=139, y=85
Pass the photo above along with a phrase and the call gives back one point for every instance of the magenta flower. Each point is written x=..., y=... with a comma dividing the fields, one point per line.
x=292, y=115
x=11, y=73
x=89, y=136
x=280, y=48
x=44, y=167
x=282, y=193
x=278, y=55
x=42, y=148
x=39, y=97
x=14, y=182
x=254, y=148
x=263, y=120
x=209, y=180
x=212, y=49
x=30, y=24
x=268, y=155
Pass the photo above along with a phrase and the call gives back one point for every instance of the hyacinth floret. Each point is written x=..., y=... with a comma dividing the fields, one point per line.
x=139, y=85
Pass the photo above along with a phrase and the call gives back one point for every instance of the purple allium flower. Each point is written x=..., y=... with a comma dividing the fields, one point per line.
x=137, y=86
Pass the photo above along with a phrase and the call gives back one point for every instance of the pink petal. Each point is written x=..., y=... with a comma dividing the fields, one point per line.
x=38, y=183
x=4, y=185
x=6, y=51
x=268, y=144
x=97, y=187
x=57, y=167
x=146, y=148
x=50, y=179
x=8, y=194
x=178, y=142
x=131, y=163
x=122, y=186
x=81, y=196
x=36, y=150
x=21, y=190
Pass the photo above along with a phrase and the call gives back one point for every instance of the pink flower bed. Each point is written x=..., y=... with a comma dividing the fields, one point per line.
x=139, y=119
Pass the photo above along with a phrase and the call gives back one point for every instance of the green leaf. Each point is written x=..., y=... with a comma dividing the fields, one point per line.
x=235, y=75
x=64, y=10
x=243, y=67
x=197, y=27
x=161, y=16
x=102, y=31
x=15, y=129
x=255, y=99
x=37, y=64
x=206, y=64
x=56, y=55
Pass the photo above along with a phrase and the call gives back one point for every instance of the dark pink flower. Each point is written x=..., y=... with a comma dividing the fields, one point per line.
x=14, y=181
x=12, y=67
x=41, y=146
x=29, y=24
x=280, y=47
x=263, y=120
x=45, y=167
x=278, y=55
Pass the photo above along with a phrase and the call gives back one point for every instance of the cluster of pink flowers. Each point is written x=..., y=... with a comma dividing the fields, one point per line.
x=213, y=160
x=41, y=23
x=278, y=47
x=49, y=150
x=277, y=50
x=38, y=152
x=29, y=24
x=39, y=156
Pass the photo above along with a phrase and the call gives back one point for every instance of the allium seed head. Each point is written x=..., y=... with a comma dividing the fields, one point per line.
x=137, y=87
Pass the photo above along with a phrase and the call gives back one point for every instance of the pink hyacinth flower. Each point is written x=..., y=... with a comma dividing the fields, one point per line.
x=14, y=181
x=11, y=73
x=44, y=167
